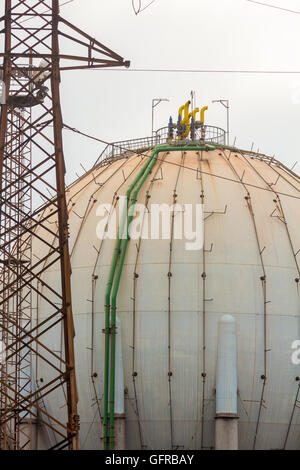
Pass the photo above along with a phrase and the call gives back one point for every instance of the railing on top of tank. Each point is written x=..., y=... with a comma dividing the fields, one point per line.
x=212, y=134
x=124, y=148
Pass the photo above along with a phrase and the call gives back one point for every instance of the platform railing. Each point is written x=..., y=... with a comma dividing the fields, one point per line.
x=211, y=134
x=125, y=148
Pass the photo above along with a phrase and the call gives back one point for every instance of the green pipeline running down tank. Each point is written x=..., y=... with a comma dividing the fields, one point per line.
x=169, y=300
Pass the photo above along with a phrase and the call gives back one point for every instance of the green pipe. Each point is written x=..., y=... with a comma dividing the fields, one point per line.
x=107, y=300
x=114, y=300
x=112, y=328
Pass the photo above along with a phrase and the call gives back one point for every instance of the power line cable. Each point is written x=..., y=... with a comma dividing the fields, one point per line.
x=282, y=72
x=274, y=6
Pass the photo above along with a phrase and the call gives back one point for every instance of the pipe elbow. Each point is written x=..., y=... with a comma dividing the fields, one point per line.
x=195, y=111
x=205, y=108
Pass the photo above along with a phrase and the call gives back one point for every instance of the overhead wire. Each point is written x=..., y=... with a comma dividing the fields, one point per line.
x=140, y=8
x=122, y=148
x=201, y=71
x=274, y=6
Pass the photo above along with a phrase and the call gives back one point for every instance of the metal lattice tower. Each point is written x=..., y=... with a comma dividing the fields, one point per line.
x=15, y=294
x=32, y=171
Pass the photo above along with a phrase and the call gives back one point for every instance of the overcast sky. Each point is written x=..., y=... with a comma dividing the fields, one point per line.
x=186, y=34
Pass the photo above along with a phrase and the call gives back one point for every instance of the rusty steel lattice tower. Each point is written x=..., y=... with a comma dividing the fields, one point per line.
x=32, y=167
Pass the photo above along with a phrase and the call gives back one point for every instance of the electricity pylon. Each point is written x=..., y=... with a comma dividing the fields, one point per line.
x=32, y=167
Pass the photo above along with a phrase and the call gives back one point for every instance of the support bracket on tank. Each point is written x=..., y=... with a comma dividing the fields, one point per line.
x=210, y=249
x=215, y=213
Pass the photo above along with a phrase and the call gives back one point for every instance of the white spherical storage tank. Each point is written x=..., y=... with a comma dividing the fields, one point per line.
x=171, y=299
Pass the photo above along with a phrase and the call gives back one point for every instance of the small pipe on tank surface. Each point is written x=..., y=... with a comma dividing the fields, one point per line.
x=226, y=430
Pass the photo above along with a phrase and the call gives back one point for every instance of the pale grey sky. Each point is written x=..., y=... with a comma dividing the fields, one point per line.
x=186, y=34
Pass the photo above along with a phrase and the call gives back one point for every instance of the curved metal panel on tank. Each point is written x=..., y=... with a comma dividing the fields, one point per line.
x=171, y=300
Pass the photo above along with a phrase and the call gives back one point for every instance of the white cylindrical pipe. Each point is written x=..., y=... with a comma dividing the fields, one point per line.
x=226, y=435
x=119, y=382
x=226, y=380
x=119, y=392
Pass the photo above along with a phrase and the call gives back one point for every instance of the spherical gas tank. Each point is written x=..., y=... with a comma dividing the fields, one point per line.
x=173, y=292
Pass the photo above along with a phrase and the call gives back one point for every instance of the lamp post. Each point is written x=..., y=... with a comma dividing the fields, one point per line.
x=225, y=103
x=156, y=102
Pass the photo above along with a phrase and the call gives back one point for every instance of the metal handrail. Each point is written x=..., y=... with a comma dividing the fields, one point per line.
x=212, y=134
x=125, y=148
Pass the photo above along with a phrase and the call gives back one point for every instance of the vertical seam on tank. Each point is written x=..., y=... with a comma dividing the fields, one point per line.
x=264, y=288
x=198, y=419
x=296, y=401
x=170, y=373
x=203, y=275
